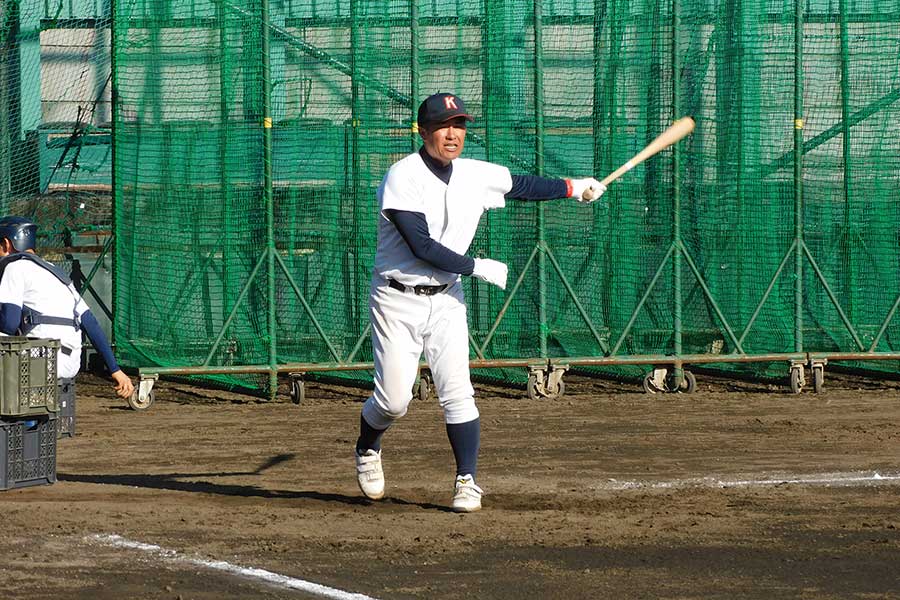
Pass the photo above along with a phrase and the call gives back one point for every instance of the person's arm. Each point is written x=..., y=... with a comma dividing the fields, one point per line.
x=413, y=229
x=123, y=385
x=533, y=187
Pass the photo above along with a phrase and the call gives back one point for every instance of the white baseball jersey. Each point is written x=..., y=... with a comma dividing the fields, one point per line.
x=26, y=284
x=451, y=211
x=404, y=324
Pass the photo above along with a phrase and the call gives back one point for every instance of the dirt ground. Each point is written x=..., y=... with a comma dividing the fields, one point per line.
x=739, y=490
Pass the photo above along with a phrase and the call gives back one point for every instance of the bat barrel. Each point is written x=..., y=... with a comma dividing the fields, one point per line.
x=672, y=134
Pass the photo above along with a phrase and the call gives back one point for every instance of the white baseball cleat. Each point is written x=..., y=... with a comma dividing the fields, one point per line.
x=467, y=497
x=369, y=474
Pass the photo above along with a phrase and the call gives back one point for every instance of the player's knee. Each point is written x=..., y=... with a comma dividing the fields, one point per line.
x=459, y=409
x=376, y=416
x=394, y=411
x=392, y=407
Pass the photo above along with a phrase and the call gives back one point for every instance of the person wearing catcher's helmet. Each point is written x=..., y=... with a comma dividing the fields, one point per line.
x=37, y=299
x=430, y=204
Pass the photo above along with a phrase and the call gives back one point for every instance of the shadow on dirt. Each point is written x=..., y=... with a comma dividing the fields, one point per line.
x=171, y=481
x=187, y=482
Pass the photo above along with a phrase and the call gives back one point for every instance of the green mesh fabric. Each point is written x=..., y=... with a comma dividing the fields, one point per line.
x=55, y=119
x=727, y=244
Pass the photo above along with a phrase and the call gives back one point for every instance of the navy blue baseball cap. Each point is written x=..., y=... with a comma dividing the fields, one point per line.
x=441, y=107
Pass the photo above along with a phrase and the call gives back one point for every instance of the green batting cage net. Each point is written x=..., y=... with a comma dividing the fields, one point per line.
x=248, y=139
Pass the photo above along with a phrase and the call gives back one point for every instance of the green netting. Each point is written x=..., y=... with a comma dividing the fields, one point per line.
x=55, y=137
x=757, y=260
x=249, y=138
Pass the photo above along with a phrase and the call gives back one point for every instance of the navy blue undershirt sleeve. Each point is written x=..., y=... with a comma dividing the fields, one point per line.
x=532, y=187
x=98, y=340
x=414, y=229
x=10, y=318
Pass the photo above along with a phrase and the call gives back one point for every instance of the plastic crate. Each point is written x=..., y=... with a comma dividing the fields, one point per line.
x=27, y=452
x=28, y=383
x=65, y=419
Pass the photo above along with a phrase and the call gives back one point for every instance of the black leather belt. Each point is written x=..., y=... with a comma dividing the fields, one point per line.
x=420, y=290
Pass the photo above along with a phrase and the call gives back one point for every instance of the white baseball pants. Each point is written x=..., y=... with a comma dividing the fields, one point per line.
x=404, y=325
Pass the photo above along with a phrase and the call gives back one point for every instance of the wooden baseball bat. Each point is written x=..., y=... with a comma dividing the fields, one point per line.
x=675, y=132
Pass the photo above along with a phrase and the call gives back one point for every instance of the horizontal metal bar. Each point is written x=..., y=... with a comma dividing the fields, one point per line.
x=664, y=359
x=510, y=362
x=450, y=21
x=382, y=21
x=855, y=355
x=585, y=20
x=667, y=359
x=249, y=369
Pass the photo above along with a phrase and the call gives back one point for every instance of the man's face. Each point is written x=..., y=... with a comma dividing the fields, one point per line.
x=6, y=247
x=444, y=141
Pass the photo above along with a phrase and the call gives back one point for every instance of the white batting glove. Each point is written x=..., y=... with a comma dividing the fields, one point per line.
x=492, y=271
x=586, y=190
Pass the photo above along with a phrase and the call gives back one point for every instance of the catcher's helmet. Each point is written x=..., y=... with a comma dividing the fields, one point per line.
x=22, y=232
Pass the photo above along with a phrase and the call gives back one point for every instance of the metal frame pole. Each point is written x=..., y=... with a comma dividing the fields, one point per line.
x=113, y=101
x=798, y=175
x=354, y=101
x=596, y=106
x=849, y=235
x=413, y=72
x=356, y=191
x=5, y=76
x=487, y=97
x=269, y=201
x=539, y=170
x=225, y=89
x=676, y=185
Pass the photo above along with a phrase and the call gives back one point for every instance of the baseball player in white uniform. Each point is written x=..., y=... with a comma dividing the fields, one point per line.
x=37, y=299
x=430, y=204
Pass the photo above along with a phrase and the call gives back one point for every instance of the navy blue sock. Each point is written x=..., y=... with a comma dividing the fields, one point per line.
x=369, y=437
x=465, y=438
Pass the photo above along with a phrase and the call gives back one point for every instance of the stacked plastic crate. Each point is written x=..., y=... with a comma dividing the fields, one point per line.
x=29, y=401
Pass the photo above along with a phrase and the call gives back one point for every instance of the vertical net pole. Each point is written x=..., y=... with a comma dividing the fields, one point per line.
x=354, y=103
x=413, y=71
x=850, y=289
x=605, y=69
x=798, y=175
x=487, y=57
x=539, y=170
x=676, y=181
x=539, y=102
x=113, y=103
x=746, y=77
x=269, y=202
x=597, y=107
x=224, y=95
x=354, y=156
x=5, y=155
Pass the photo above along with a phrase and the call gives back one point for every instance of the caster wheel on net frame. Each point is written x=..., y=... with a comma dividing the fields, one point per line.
x=661, y=381
x=298, y=390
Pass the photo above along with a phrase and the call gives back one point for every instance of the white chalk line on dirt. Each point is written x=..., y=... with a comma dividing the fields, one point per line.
x=819, y=479
x=219, y=565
